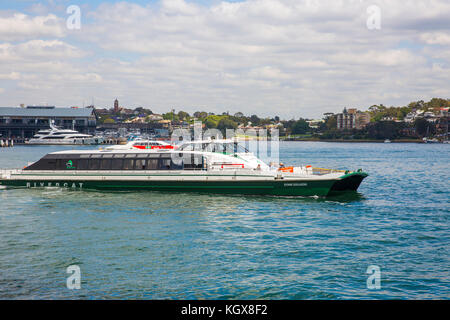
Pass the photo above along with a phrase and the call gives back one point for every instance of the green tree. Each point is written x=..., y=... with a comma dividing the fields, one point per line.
x=300, y=127
x=331, y=123
x=254, y=120
x=183, y=115
x=200, y=114
x=226, y=123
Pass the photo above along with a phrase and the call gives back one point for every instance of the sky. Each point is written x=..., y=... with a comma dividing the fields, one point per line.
x=291, y=58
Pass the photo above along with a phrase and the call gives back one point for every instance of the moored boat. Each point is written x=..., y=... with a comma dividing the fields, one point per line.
x=221, y=166
x=58, y=136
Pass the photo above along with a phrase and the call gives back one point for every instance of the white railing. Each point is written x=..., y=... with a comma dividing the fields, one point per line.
x=6, y=173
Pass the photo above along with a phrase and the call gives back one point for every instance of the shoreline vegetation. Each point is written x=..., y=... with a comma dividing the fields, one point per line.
x=410, y=123
x=352, y=140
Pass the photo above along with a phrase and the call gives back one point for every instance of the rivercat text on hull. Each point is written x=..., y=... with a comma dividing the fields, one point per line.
x=218, y=166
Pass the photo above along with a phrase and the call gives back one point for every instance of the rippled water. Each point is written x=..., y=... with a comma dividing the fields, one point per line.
x=193, y=246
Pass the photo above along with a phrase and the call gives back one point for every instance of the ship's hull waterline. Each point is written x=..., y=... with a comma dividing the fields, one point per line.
x=208, y=183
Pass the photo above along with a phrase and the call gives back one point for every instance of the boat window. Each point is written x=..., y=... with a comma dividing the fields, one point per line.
x=61, y=164
x=131, y=155
x=119, y=155
x=105, y=164
x=152, y=164
x=96, y=156
x=94, y=164
x=116, y=164
x=82, y=164
x=85, y=155
x=165, y=164
x=194, y=162
x=128, y=164
x=43, y=164
x=140, y=164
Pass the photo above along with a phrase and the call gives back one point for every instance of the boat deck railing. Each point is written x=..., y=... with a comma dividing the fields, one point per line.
x=6, y=173
x=322, y=171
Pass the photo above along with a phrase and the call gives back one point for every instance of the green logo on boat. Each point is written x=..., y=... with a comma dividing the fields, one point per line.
x=69, y=165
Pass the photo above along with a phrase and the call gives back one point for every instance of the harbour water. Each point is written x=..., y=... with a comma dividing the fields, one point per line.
x=152, y=245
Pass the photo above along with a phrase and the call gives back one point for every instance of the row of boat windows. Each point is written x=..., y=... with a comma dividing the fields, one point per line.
x=116, y=164
x=107, y=155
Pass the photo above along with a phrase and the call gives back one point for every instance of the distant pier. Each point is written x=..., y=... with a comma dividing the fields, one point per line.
x=6, y=143
x=10, y=142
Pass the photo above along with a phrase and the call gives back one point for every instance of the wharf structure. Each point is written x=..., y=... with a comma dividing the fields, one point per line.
x=25, y=122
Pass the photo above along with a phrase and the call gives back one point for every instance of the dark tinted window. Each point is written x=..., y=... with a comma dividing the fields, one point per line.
x=117, y=164
x=94, y=164
x=105, y=164
x=128, y=164
x=43, y=164
x=140, y=164
x=152, y=164
x=193, y=162
x=82, y=164
x=164, y=164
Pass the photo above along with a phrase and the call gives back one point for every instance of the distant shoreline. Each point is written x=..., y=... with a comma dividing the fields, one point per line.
x=353, y=140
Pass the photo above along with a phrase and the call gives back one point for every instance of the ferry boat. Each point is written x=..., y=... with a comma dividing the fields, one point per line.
x=57, y=136
x=217, y=166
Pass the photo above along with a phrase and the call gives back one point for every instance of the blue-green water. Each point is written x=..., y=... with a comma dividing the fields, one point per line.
x=192, y=246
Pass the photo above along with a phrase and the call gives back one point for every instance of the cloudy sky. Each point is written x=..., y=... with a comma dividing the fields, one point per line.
x=292, y=58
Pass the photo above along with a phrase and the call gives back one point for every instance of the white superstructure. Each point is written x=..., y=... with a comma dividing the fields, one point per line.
x=54, y=135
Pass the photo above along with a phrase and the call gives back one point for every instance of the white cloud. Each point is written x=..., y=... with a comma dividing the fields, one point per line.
x=21, y=27
x=291, y=57
x=436, y=38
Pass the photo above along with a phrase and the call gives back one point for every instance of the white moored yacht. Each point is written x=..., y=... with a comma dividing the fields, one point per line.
x=55, y=135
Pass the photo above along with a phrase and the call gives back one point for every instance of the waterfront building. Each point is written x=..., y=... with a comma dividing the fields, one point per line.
x=352, y=119
x=116, y=106
x=346, y=120
x=362, y=120
x=26, y=122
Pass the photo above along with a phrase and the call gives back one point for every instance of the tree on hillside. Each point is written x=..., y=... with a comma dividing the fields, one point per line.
x=226, y=123
x=255, y=120
x=200, y=114
x=384, y=130
x=331, y=123
x=300, y=127
x=183, y=115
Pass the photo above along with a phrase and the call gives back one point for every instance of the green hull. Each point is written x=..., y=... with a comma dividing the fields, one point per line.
x=349, y=182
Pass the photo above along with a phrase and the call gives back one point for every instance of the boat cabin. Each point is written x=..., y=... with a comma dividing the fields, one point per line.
x=118, y=161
